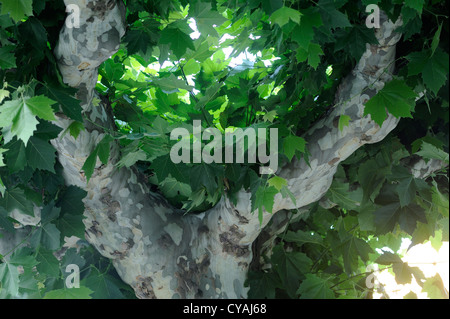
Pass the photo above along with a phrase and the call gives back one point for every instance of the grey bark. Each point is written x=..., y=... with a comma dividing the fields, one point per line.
x=156, y=249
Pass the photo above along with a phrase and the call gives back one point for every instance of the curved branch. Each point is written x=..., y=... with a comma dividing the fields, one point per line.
x=328, y=145
x=154, y=248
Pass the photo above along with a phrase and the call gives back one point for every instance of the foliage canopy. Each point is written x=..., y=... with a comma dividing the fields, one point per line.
x=230, y=64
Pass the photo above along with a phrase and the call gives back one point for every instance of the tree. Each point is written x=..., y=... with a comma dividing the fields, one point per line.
x=90, y=102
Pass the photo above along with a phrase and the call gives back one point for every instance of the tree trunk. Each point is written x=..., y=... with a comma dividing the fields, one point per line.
x=155, y=248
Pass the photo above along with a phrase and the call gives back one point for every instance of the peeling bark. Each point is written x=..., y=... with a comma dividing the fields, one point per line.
x=157, y=250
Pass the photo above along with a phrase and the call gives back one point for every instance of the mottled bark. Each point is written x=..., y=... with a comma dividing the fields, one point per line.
x=155, y=248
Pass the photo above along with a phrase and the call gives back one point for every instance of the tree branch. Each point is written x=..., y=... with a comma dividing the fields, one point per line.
x=156, y=249
x=328, y=145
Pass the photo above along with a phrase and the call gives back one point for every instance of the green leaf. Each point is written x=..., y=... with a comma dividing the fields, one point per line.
x=137, y=41
x=331, y=17
x=71, y=225
x=48, y=236
x=388, y=258
x=439, y=200
x=202, y=175
x=3, y=93
x=41, y=155
x=64, y=96
x=11, y=282
x=417, y=62
x=314, y=287
x=7, y=61
x=312, y=54
x=163, y=166
x=103, y=286
x=196, y=199
x=48, y=264
x=371, y=176
x=17, y=9
x=28, y=285
x=301, y=237
x=47, y=131
x=292, y=144
x=353, y=248
x=16, y=157
x=75, y=128
x=129, y=159
x=291, y=267
x=89, y=164
x=9, y=279
x=41, y=107
x=17, y=120
x=406, y=191
x=270, y=116
x=415, y=4
x=5, y=222
x=410, y=295
x=435, y=71
x=16, y=199
x=277, y=182
x=435, y=41
x=344, y=121
x=285, y=193
x=284, y=14
x=386, y=218
x=103, y=148
x=71, y=200
x=406, y=187
x=262, y=285
x=403, y=273
x=396, y=97
x=50, y=213
x=429, y=151
x=435, y=288
x=304, y=33
x=409, y=215
x=340, y=194
x=172, y=188
x=72, y=293
x=263, y=198
x=171, y=84
x=358, y=36
x=177, y=40
x=206, y=18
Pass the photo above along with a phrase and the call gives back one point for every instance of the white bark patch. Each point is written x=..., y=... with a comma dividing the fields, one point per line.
x=147, y=241
x=175, y=232
x=161, y=291
x=326, y=142
x=124, y=192
x=123, y=221
x=24, y=219
x=349, y=147
x=161, y=214
x=137, y=235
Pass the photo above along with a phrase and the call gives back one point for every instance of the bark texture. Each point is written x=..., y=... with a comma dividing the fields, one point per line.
x=157, y=250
